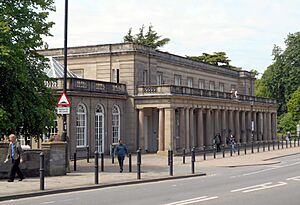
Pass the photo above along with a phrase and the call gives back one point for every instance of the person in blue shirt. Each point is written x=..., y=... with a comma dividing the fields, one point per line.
x=15, y=156
x=121, y=152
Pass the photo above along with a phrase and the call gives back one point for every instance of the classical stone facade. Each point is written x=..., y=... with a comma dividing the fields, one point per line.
x=165, y=101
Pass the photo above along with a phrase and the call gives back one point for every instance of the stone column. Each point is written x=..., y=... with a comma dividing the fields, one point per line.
x=192, y=131
x=260, y=126
x=169, y=128
x=224, y=132
x=208, y=136
x=270, y=133
x=141, y=129
x=187, y=131
x=237, y=132
x=274, y=125
x=243, y=126
x=200, y=128
x=217, y=120
x=231, y=122
x=248, y=126
x=265, y=128
x=161, y=128
x=182, y=127
x=255, y=126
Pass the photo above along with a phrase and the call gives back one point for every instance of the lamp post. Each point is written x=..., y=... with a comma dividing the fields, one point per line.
x=252, y=123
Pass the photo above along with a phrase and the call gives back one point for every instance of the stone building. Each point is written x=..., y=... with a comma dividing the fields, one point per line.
x=159, y=101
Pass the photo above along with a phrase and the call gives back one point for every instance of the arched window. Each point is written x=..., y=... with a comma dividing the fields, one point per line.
x=115, y=124
x=81, y=125
x=99, y=128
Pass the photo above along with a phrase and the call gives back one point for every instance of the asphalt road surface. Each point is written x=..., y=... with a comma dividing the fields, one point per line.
x=274, y=184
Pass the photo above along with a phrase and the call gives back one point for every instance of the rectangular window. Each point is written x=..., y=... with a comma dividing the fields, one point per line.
x=233, y=87
x=159, y=78
x=201, y=84
x=116, y=75
x=177, y=80
x=145, y=77
x=190, y=82
x=211, y=85
x=221, y=86
x=78, y=72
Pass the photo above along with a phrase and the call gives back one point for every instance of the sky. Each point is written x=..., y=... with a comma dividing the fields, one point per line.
x=246, y=30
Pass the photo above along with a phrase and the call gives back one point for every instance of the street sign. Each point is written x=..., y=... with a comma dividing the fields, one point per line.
x=63, y=101
x=63, y=110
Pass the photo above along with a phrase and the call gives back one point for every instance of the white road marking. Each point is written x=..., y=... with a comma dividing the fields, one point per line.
x=294, y=178
x=259, y=187
x=48, y=202
x=193, y=200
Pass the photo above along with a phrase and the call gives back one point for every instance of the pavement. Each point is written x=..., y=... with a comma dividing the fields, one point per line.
x=154, y=168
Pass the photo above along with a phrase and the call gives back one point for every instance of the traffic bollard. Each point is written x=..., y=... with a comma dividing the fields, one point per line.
x=102, y=162
x=278, y=144
x=294, y=142
x=273, y=144
x=88, y=154
x=138, y=163
x=130, y=163
x=112, y=155
x=268, y=145
x=42, y=171
x=245, y=148
x=238, y=146
x=169, y=157
x=96, y=167
x=252, y=147
x=286, y=144
x=193, y=160
x=171, y=163
x=75, y=159
x=204, y=153
x=214, y=152
x=298, y=141
x=231, y=152
x=290, y=143
x=258, y=145
x=264, y=146
x=223, y=151
x=281, y=143
x=183, y=156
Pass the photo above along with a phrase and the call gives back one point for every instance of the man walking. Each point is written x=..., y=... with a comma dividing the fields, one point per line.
x=15, y=156
x=121, y=151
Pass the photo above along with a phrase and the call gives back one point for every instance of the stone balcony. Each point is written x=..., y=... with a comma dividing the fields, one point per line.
x=83, y=85
x=172, y=90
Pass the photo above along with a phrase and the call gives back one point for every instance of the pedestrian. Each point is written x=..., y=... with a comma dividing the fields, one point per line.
x=15, y=156
x=217, y=142
x=232, y=143
x=121, y=151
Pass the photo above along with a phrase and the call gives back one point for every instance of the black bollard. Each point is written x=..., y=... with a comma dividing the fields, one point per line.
x=102, y=162
x=214, y=152
x=75, y=159
x=273, y=144
x=264, y=146
x=252, y=147
x=245, y=148
x=183, y=156
x=42, y=171
x=298, y=141
x=223, y=150
x=281, y=143
x=231, y=152
x=169, y=157
x=258, y=144
x=238, y=146
x=291, y=143
x=286, y=144
x=138, y=163
x=112, y=155
x=278, y=144
x=204, y=153
x=171, y=163
x=294, y=142
x=96, y=167
x=268, y=145
x=130, y=163
x=193, y=160
x=88, y=154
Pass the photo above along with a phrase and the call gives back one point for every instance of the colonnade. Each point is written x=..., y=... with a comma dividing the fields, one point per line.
x=198, y=126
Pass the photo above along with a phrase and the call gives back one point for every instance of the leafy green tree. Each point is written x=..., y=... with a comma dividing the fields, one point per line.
x=150, y=38
x=294, y=105
x=281, y=78
x=26, y=104
x=286, y=123
x=217, y=58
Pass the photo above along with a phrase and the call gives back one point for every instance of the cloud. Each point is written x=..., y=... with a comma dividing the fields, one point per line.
x=246, y=29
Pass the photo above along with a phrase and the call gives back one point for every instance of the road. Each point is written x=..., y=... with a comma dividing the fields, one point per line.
x=276, y=184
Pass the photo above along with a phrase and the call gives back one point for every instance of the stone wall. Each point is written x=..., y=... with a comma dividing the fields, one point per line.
x=54, y=160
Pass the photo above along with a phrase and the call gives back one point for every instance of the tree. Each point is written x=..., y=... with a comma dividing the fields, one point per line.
x=150, y=39
x=293, y=105
x=26, y=104
x=217, y=59
x=281, y=78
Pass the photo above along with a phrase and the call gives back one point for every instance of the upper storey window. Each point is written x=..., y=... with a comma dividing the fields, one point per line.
x=177, y=80
x=145, y=77
x=221, y=87
x=190, y=82
x=159, y=78
x=211, y=85
x=116, y=75
x=201, y=84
